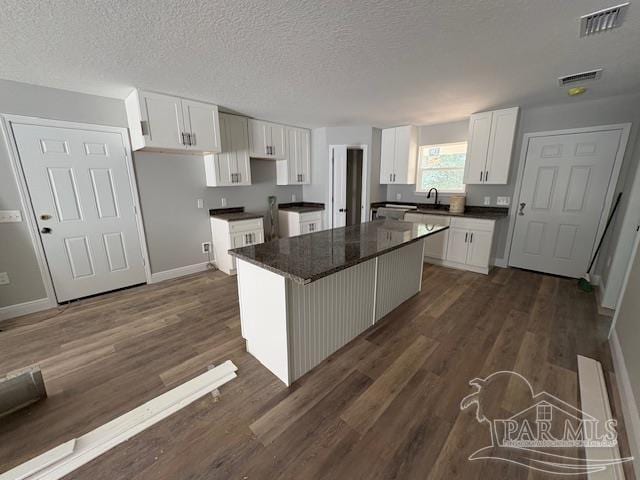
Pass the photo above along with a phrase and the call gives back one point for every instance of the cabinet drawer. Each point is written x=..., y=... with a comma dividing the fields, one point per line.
x=245, y=225
x=310, y=216
x=472, y=224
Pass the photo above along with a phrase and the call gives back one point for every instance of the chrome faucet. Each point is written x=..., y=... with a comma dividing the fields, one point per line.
x=435, y=202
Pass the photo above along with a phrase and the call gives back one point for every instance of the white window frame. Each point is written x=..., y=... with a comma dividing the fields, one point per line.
x=419, y=169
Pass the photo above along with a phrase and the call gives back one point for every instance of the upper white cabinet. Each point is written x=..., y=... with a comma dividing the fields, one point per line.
x=491, y=137
x=231, y=167
x=267, y=140
x=295, y=169
x=163, y=122
x=398, y=155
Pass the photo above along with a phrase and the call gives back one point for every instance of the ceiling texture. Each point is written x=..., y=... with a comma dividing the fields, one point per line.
x=317, y=63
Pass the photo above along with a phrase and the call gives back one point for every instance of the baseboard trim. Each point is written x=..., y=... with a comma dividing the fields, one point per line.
x=457, y=266
x=20, y=309
x=178, y=272
x=630, y=411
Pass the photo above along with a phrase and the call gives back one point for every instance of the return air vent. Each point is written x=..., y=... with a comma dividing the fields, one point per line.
x=580, y=77
x=602, y=20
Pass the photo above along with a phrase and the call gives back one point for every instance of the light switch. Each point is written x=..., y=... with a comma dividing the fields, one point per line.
x=10, y=216
x=503, y=201
x=200, y=203
x=487, y=200
x=4, y=278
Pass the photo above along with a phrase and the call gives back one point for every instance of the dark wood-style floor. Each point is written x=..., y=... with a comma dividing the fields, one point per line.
x=385, y=406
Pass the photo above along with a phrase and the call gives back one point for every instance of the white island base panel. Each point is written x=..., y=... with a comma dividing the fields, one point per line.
x=290, y=327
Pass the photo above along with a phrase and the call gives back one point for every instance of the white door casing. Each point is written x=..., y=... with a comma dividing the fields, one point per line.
x=339, y=185
x=564, y=189
x=81, y=179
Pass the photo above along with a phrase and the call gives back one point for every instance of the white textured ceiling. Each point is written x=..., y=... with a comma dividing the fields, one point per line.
x=321, y=62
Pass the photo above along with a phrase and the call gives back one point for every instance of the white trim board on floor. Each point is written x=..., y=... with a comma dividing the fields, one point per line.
x=630, y=411
x=62, y=460
x=178, y=272
x=594, y=400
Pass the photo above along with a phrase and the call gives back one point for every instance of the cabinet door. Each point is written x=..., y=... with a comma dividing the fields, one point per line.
x=477, y=148
x=406, y=154
x=304, y=156
x=201, y=121
x=435, y=246
x=291, y=170
x=479, y=251
x=239, y=149
x=503, y=130
x=457, y=247
x=278, y=141
x=258, y=141
x=164, y=120
x=238, y=240
x=387, y=155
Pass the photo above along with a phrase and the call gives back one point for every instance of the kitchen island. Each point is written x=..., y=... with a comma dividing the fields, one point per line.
x=304, y=297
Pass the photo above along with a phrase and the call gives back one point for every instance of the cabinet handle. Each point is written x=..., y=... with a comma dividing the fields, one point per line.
x=466, y=235
x=471, y=238
x=192, y=139
x=390, y=177
x=183, y=140
x=486, y=175
x=188, y=135
x=239, y=177
x=481, y=173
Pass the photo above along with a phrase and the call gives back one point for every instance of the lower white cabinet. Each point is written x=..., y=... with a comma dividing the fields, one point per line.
x=234, y=234
x=470, y=242
x=291, y=224
x=467, y=244
x=232, y=166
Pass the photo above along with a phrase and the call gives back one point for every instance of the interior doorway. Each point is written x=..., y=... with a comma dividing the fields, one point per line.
x=354, y=186
x=348, y=185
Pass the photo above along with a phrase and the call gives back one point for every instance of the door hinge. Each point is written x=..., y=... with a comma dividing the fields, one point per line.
x=144, y=126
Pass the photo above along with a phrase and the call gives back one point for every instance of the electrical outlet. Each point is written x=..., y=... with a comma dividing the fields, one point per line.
x=223, y=201
x=293, y=197
x=10, y=216
x=398, y=196
x=4, y=278
x=200, y=203
x=206, y=247
x=503, y=201
x=487, y=200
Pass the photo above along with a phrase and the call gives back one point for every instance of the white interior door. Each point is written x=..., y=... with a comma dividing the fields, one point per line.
x=339, y=185
x=563, y=194
x=81, y=193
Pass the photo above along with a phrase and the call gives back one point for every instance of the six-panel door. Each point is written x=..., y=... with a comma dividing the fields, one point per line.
x=80, y=188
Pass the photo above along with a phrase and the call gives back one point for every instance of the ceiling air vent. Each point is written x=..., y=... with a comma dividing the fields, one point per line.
x=602, y=20
x=580, y=77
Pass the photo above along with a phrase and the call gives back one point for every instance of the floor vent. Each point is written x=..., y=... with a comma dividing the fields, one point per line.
x=580, y=77
x=605, y=19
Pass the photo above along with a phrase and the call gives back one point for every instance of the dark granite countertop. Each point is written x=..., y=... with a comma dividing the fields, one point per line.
x=309, y=257
x=301, y=207
x=484, y=213
x=233, y=214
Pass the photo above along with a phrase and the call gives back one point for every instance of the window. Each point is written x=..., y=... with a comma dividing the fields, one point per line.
x=442, y=166
x=544, y=412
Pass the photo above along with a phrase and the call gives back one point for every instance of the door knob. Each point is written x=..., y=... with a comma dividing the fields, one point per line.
x=45, y=216
x=522, y=205
x=45, y=230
